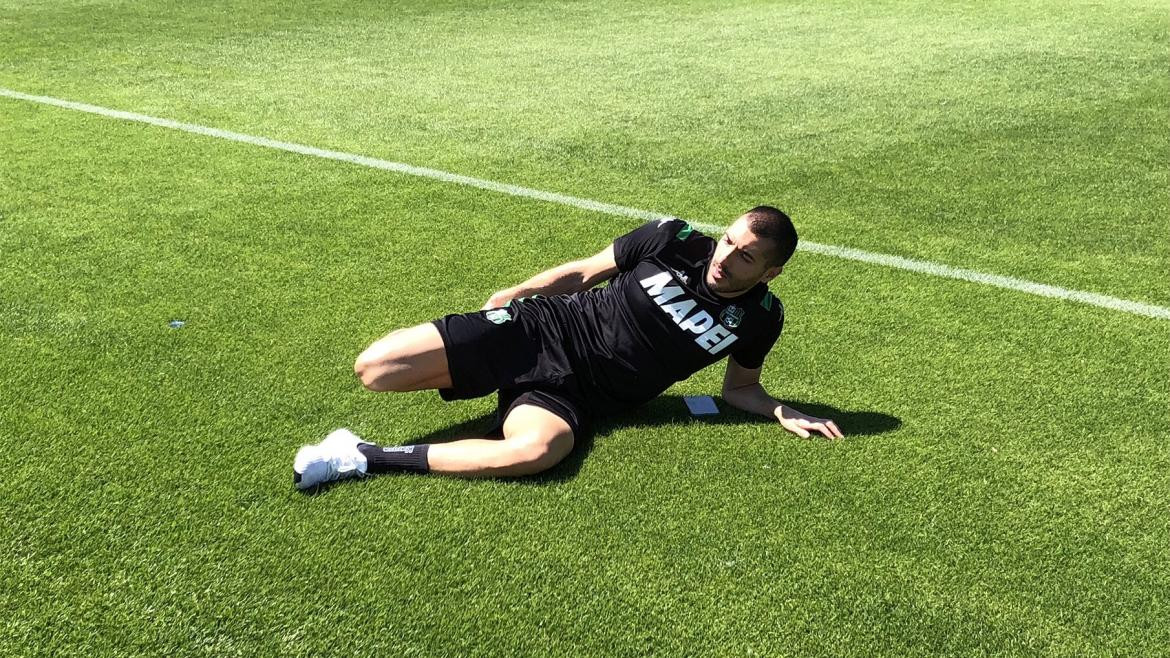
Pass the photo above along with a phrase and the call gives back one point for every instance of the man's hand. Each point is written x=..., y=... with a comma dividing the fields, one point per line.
x=800, y=424
x=499, y=299
x=742, y=390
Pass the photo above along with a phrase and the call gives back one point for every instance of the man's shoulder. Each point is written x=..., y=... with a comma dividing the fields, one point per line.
x=678, y=229
x=684, y=242
x=767, y=307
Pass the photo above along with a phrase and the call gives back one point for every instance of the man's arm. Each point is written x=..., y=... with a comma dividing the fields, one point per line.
x=742, y=390
x=564, y=279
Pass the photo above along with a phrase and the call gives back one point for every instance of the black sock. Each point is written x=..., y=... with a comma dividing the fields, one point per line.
x=394, y=459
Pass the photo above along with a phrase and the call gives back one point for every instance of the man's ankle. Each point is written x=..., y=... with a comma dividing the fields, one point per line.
x=395, y=459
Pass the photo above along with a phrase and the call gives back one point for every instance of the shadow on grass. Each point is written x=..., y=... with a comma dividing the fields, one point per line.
x=663, y=410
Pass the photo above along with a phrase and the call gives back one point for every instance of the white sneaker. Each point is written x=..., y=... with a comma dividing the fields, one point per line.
x=334, y=458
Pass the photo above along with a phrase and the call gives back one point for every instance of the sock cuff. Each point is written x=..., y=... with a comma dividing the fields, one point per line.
x=393, y=459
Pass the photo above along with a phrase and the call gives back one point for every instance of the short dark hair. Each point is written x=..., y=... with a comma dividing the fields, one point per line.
x=768, y=222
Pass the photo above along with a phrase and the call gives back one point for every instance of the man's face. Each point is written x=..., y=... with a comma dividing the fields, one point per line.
x=738, y=262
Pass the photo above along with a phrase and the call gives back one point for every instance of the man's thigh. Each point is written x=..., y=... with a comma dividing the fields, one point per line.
x=410, y=359
x=486, y=355
x=542, y=437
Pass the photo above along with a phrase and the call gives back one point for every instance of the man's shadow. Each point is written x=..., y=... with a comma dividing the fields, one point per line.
x=663, y=410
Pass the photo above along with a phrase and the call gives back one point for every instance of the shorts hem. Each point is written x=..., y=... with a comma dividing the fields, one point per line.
x=554, y=402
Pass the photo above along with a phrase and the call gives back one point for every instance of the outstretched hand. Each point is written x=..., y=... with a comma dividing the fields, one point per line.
x=803, y=424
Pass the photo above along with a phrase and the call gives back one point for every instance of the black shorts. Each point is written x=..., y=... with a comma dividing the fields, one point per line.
x=491, y=351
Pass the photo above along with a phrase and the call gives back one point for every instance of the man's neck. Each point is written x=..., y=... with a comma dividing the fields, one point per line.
x=727, y=295
x=732, y=295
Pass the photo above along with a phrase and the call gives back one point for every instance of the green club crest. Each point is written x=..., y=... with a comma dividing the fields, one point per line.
x=499, y=315
x=731, y=316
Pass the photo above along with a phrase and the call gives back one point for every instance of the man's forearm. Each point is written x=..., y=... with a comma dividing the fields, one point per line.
x=753, y=398
x=560, y=280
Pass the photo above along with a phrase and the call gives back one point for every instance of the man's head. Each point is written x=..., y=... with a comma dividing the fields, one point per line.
x=753, y=249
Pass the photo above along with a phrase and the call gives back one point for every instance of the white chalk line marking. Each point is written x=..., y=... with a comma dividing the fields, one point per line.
x=923, y=267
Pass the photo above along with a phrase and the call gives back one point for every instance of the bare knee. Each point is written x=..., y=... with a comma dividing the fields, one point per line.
x=378, y=364
x=405, y=360
x=532, y=453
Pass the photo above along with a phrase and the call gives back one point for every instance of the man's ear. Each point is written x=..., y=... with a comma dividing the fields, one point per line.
x=772, y=273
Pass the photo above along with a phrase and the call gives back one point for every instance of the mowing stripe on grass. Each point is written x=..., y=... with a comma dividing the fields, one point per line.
x=924, y=267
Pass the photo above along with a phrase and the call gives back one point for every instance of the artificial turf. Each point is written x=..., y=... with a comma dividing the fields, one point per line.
x=1003, y=486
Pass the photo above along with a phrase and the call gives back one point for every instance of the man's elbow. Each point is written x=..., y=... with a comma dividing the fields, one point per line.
x=737, y=392
x=588, y=278
x=736, y=399
x=731, y=393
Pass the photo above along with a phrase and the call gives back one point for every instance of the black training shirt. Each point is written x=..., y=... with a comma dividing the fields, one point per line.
x=656, y=322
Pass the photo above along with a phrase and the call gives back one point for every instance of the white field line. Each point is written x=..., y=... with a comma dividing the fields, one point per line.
x=924, y=267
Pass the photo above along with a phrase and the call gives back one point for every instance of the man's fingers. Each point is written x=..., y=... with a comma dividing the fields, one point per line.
x=814, y=426
x=825, y=428
x=796, y=429
x=833, y=427
x=819, y=427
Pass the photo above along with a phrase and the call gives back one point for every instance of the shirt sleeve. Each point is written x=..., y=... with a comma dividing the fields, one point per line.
x=751, y=354
x=644, y=241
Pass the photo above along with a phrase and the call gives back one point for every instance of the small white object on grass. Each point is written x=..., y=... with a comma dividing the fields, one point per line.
x=701, y=405
x=176, y=324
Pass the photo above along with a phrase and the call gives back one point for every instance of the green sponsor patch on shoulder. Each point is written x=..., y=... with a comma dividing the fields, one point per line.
x=685, y=231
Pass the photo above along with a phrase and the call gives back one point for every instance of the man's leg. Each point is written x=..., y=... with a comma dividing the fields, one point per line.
x=416, y=359
x=411, y=359
x=535, y=439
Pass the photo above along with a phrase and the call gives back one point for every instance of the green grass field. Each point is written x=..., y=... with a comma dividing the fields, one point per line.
x=1004, y=485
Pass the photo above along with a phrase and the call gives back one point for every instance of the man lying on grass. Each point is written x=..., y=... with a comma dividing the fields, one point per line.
x=561, y=352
